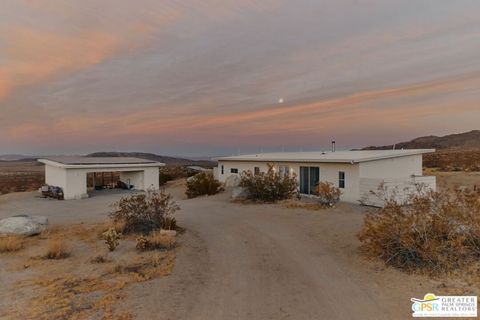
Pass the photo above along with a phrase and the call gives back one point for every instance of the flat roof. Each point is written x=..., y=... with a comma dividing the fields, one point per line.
x=81, y=162
x=320, y=156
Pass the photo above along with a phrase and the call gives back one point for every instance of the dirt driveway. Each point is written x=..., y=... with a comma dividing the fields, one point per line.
x=270, y=262
x=240, y=261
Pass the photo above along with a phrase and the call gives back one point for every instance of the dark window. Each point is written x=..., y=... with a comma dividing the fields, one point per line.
x=222, y=169
x=233, y=170
x=341, y=180
x=256, y=170
x=309, y=178
x=284, y=170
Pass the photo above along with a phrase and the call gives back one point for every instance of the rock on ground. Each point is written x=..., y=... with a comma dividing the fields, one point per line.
x=23, y=225
x=239, y=193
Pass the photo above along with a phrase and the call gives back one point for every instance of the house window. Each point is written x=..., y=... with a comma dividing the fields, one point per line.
x=309, y=178
x=341, y=180
x=284, y=170
x=233, y=170
x=256, y=170
x=223, y=169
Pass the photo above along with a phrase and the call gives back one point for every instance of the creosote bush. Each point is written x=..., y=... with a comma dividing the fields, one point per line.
x=269, y=186
x=328, y=195
x=144, y=212
x=203, y=183
x=429, y=232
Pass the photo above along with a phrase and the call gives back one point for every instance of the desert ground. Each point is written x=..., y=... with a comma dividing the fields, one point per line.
x=234, y=261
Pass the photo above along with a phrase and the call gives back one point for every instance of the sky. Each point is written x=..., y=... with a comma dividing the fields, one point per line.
x=218, y=77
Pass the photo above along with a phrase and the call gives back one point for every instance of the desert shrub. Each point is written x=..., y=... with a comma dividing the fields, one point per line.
x=201, y=184
x=111, y=237
x=328, y=195
x=156, y=240
x=144, y=212
x=10, y=243
x=161, y=241
x=57, y=249
x=429, y=231
x=142, y=243
x=269, y=186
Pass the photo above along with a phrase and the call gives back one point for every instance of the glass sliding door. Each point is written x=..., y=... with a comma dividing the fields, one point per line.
x=314, y=178
x=304, y=174
x=309, y=178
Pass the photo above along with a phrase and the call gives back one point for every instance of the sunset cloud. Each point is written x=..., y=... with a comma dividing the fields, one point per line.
x=166, y=75
x=34, y=56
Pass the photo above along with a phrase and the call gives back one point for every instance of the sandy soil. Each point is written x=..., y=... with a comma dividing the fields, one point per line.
x=252, y=261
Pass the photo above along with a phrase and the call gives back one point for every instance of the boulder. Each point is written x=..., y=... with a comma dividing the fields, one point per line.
x=23, y=225
x=239, y=193
x=232, y=181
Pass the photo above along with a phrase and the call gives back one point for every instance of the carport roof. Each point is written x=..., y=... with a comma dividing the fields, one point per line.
x=78, y=161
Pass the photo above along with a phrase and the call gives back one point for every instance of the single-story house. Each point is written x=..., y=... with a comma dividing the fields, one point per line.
x=356, y=173
x=70, y=173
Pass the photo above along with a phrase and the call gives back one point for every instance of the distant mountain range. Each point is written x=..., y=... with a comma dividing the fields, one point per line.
x=466, y=140
x=151, y=156
x=15, y=157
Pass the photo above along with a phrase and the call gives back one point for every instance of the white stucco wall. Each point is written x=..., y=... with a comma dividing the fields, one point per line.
x=55, y=176
x=151, y=178
x=392, y=168
x=328, y=173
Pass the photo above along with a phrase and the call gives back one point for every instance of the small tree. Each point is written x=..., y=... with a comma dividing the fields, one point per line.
x=328, y=194
x=144, y=212
x=202, y=184
x=269, y=186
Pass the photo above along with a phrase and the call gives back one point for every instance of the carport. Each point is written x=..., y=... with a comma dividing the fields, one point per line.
x=70, y=173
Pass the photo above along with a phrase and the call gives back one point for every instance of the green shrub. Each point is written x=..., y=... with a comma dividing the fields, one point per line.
x=430, y=231
x=328, y=195
x=144, y=212
x=202, y=184
x=269, y=186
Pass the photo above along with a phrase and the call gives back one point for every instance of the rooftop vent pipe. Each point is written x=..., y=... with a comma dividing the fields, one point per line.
x=333, y=146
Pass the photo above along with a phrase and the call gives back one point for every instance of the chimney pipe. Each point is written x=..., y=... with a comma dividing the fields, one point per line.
x=333, y=146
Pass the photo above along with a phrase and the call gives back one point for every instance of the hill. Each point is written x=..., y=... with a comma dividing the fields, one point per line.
x=170, y=161
x=466, y=140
